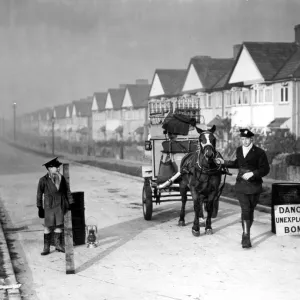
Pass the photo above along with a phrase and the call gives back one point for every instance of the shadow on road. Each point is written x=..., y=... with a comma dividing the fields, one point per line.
x=122, y=233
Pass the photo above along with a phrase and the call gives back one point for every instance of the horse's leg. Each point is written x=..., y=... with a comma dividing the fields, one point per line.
x=210, y=203
x=196, y=200
x=183, y=193
x=201, y=213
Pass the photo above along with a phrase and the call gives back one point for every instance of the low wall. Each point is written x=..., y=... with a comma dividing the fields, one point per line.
x=284, y=172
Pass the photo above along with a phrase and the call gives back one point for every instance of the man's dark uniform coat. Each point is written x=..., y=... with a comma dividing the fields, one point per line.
x=256, y=161
x=56, y=201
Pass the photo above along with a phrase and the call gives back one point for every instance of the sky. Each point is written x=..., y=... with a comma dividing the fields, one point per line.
x=57, y=51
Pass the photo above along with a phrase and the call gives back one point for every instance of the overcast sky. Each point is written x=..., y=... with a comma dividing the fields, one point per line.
x=57, y=51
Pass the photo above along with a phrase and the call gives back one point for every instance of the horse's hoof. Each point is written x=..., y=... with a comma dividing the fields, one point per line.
x=181, y=223
x=196, y=233
x=208, y=231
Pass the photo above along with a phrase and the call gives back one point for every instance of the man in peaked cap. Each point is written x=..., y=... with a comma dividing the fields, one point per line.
x=53, y=163
x=55, y=191
x=253, y=164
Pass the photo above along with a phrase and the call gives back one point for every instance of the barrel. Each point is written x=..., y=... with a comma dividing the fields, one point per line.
x=78, y=218
x=284, y=194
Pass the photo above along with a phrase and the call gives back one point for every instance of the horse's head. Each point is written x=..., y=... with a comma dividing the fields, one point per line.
x=207, y=142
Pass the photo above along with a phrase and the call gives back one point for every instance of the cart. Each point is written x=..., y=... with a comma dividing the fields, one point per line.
x=158, y=189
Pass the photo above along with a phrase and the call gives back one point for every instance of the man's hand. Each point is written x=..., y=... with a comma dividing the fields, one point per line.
x=247, y=175
x=219, y=161
x=41, y=212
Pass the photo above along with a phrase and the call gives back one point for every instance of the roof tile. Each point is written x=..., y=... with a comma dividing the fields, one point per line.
x=211, y=70
x=101, y=100
x=117, y=96
x=270, y=57
x=139, y=94
x=172, y=80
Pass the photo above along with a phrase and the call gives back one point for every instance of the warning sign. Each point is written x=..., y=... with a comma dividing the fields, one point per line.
x=287, y=219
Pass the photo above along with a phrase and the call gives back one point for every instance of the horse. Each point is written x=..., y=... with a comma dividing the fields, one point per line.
x=201, y=174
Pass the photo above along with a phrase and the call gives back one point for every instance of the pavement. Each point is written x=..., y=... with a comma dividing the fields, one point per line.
x=136, y=259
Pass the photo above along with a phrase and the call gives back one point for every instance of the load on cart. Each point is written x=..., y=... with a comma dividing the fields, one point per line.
x=184, y=167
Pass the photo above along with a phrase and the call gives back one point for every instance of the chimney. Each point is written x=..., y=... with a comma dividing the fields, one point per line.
x=236, y=49
x=297, y=34
x=141, y=81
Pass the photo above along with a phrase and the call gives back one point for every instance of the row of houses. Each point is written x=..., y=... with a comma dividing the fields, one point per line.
x=258, y=87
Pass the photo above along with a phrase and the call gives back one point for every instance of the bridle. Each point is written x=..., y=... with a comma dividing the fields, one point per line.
x=206, y=169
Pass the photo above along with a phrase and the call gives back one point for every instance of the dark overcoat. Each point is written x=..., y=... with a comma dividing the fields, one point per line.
x=56, y=201
x=256, y=161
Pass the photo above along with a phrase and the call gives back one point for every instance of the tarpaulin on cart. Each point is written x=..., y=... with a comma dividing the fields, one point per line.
x=178, y=124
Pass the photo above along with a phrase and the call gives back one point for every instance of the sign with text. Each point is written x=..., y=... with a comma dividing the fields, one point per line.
x=287, y=219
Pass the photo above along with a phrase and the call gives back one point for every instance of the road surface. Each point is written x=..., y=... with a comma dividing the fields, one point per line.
x=138, y=259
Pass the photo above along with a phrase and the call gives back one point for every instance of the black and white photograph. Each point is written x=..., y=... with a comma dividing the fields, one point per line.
x=149, y=149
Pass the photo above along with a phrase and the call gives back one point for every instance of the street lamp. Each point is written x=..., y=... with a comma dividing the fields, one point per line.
x=14, y=108
x=53, y=122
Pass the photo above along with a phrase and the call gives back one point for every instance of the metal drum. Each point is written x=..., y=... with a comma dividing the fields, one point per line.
x=78, y=218
x=284, y=194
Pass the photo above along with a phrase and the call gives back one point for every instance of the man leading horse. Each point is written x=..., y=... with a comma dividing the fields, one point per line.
x=253, y=164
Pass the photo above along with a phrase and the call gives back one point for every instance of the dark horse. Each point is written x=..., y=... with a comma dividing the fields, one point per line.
x=202, y=176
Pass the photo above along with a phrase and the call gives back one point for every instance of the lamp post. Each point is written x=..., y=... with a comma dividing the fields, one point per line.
x=53, y=122
x=14, y=108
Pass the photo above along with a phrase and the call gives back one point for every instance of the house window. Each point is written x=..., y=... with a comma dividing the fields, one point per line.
x=268, y=95
x=257, y=96
x=238, y=98
x=228, y=99
x=246, y=97
x=260, y=96
x=284, y=94
x=209, y=100
x=203, y=101
x=218, y=100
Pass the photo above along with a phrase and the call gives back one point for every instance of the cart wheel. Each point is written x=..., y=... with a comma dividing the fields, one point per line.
x=147, y=201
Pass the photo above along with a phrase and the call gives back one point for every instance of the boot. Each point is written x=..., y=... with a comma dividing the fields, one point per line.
x=57, y=242
x=243, y=235
x=246, y=243
x=47, y=242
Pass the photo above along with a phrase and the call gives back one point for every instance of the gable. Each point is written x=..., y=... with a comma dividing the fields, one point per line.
x=65, y=114
x=245, y=69
x=108, y=104
x=68, y=112
x=127, y=102
x=94, y=104
x=156, y=88
x=74, y=113
x=192, y=81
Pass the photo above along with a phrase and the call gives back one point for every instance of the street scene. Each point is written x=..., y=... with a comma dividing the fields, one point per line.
x=149, y=149
x=137, y=259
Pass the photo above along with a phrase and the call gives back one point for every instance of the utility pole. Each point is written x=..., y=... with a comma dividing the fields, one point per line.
x=14, y=108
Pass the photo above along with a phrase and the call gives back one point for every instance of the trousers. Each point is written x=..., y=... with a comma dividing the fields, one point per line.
x=248, y=203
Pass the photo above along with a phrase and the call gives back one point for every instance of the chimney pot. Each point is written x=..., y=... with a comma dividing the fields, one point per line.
x=141, y=81
x=297, y=34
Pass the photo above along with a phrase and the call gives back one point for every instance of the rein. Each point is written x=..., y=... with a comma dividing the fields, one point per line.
x=210, y=171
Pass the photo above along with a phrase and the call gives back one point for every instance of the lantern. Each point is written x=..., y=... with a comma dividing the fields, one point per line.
x=148, y=145
x=91, y=237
